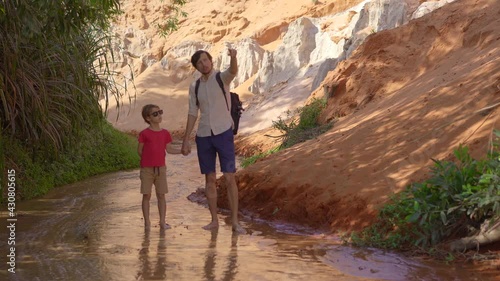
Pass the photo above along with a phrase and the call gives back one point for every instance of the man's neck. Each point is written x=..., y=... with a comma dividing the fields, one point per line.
x=204, y=77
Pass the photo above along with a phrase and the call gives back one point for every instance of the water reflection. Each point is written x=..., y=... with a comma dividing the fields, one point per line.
x=147, y=270
x=211, y=258
x=232, y=266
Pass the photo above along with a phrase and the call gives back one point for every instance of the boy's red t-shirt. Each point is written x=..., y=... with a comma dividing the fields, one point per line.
x=155, y=145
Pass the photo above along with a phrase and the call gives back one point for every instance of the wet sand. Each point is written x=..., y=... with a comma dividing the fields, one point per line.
x=93, y=230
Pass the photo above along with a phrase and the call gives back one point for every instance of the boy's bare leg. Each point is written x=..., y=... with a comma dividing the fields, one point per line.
x=232, y=195
x=162, y=209
x=211, y=194
x=145, y=210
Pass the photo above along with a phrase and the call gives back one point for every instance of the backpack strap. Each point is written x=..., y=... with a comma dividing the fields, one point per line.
x=197, y=86
x=221, y=85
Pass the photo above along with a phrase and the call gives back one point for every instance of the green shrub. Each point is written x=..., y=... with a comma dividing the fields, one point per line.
x=295, y=131
x=456, y=200
x=391, y=231
x=252, y=159
x=305, y=128
x=101, y=150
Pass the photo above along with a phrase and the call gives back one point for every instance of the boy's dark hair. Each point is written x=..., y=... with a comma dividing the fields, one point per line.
x=196, y=57
x=146, y=110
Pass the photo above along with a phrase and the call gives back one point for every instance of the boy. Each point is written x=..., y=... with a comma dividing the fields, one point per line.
x=153, y=143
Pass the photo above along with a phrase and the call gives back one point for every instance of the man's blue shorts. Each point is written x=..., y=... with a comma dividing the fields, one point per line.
x=222, y=145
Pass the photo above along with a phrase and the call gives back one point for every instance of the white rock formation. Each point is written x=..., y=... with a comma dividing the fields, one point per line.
x=428, y=7
x=283, y=78
x=376, y=16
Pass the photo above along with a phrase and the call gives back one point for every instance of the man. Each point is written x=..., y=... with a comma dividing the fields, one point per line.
x=214, y=136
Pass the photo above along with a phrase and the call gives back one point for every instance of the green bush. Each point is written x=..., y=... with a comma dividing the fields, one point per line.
x=55, y=68
x=101, y=150
x=305, y=128
x=456, y=200
x=252, y=159
x=391, y=231
x=295, y=131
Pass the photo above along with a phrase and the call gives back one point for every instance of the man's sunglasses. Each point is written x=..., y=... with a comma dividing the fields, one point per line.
x=156, y=113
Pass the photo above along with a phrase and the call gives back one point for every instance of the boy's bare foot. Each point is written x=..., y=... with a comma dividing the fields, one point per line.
x=238, y=229
x=212, y=225
x=165, y=226
x=147, y=226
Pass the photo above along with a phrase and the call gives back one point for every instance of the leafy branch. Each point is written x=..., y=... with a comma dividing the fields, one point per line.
x=172, y=23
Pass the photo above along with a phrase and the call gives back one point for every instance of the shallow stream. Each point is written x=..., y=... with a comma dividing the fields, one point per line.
x=93, y=230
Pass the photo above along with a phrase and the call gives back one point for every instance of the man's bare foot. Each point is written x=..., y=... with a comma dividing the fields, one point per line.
x=238, y=229
x=212, y=225
x=165, y=226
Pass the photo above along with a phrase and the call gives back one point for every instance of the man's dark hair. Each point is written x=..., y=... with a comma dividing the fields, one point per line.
x=196, y=56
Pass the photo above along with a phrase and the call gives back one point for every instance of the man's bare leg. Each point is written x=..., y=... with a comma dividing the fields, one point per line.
x=145, y=210
x=232, y=195
x=211, y=194
x=162, y=209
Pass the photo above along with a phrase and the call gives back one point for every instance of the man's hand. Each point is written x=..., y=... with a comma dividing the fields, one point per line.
x=233, y=64
x=186, y=147
x=231, y=52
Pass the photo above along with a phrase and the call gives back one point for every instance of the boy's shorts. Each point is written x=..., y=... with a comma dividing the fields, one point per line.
x=221, y=144
x=156, y=176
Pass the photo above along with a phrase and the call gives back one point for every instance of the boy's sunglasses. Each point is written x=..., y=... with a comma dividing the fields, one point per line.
x=160, y=112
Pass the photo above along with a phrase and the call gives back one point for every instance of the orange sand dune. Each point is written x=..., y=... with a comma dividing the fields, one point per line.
x=406, y=96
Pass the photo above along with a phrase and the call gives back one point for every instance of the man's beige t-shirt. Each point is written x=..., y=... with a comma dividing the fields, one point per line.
x=214, y=114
